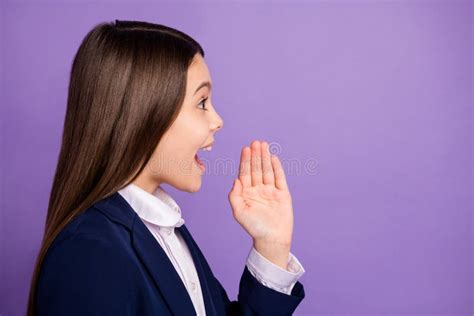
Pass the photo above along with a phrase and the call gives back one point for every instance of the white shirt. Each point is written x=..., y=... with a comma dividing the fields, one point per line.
x=161, y=214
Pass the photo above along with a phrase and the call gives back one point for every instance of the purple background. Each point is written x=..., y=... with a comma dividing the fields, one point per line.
x=377, y=93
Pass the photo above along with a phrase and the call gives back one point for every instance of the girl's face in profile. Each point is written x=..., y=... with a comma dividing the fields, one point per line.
x=174, y=160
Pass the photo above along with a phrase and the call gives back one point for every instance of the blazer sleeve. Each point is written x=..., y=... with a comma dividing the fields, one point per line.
x=85, y=275
x=255, y=298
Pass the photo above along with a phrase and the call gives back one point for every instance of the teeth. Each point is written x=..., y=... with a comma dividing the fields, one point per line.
x=208, y=148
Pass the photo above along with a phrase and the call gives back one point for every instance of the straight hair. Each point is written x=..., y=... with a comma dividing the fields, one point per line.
x=127, y=85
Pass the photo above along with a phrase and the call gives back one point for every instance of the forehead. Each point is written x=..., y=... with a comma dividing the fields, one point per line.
x=198, y=73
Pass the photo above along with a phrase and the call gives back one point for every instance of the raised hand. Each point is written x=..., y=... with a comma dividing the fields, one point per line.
x=261, y=202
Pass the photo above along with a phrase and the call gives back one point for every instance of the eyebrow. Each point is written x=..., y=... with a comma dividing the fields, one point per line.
x=203, y=84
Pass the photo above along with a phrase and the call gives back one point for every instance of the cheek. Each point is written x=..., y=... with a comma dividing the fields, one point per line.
x=169, y=159
x=191, y=132
x=182, y=140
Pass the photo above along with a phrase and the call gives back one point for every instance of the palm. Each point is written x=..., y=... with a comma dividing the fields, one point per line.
x=260, y=199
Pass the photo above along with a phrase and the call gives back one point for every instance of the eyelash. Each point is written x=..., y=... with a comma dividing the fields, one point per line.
x=203, y=101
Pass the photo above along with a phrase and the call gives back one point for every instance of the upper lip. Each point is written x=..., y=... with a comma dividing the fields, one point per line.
x=210, y=144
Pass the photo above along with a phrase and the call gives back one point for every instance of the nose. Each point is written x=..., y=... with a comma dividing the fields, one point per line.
x=217, y=123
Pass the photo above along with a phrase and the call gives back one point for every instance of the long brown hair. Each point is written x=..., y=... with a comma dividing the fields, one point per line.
x=127, y=86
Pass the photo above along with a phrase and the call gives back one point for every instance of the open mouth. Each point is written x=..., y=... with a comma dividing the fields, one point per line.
x=199, y=163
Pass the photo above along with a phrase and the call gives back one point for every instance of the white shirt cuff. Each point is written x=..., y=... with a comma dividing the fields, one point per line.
x=272, y=275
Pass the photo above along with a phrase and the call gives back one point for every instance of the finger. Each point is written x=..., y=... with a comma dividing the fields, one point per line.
x=236, y=187
x=256, y=164
x=244, y=170
x=235, y=195
x=280, y=178
x=267, y=169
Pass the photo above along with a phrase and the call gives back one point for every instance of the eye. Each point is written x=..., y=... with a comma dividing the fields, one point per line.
x=203, y=102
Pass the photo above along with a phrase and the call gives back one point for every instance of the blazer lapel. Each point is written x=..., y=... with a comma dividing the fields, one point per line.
x=151, y=254
x=202, y=272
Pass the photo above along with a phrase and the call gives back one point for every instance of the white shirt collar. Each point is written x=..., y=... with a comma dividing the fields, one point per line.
x=158, y=208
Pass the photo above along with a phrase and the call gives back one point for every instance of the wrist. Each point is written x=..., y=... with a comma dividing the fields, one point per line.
x=275, y=252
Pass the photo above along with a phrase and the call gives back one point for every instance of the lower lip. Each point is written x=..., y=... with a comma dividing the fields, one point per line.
x=199, y=163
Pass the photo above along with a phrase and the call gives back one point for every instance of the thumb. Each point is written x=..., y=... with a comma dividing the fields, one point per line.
x=235, y=195
x=237, y=187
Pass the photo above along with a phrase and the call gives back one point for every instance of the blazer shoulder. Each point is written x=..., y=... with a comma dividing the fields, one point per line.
x=92, y=224
x=91, y=239
x=88, y=272
x=91, y=242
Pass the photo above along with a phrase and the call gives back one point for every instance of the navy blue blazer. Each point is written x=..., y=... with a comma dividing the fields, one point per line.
x=106, y=262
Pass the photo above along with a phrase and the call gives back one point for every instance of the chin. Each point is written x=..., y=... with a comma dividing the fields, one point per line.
x=190, y=185
x=196, y=186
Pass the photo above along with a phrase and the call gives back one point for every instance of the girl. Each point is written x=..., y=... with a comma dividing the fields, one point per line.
x=139, y=109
